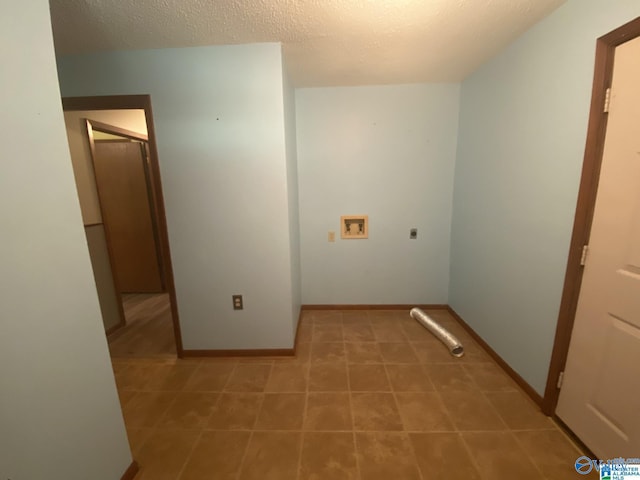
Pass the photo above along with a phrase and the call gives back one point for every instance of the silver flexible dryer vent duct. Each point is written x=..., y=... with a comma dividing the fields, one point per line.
x=452, y=343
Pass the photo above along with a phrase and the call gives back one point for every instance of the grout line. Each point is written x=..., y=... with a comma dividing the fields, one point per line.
x=193, y=449
x=404, y=427
x=245, y=453
x=304, y=417
x=353, y=424
x=459, y=434
x=528, y=454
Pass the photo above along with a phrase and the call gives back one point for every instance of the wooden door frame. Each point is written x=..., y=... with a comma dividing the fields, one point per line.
x=93, y=125
x=596, y=131
x=142, y=102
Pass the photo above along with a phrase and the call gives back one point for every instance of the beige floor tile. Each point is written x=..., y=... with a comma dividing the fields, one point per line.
x=248, y=378
x=355, y=317
x=433, y=351
x=306, y=317
x=498, y=456
x=423, y=412
x=263, y=360
x=385, y=455
x=235, y=411
x=383, y=317
x=489, y=377
x=416, y=332
x=171, y=377
x=164, y=454
x=443, y=455
x=135, y=375
x=471, y=411
x=304, y=333
x=328, y=377
x=302, y=355
x=146, y=408
x=397, y=353
x=210, y=377
x=409, y=378
x=327, y=333
x=358, y=332
x=518, y=411
x=328, y=455
x=327, y=352
x=327, y=317
x=375, y=411
x=189, y=410
x=216, y=455
x=389, y=333
x=328, y=411
x=281, y=411
x=272, y=456
x=552, y=452
x=125, y=396
x=447, y=377
x=363, y=352
x=288, y=378
x=137, y=437
x=119, y=365
x=474, y=353
x=368, y=378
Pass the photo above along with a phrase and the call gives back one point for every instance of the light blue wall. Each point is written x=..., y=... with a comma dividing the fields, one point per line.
x=523, y=122
x=292, y=192
x=60, y=415
x=387, y=152
x=219, y=121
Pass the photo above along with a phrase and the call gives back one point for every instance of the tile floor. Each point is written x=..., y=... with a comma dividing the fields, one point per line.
x=370, y=395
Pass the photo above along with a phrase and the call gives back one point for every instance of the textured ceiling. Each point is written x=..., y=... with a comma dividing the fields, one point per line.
x=326, y=42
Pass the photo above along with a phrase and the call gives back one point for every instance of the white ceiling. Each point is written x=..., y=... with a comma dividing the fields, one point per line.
x=326, y=42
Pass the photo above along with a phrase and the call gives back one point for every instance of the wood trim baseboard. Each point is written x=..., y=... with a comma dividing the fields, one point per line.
x=131, y=472
x=436, y=306
x=522, y=383
x=258, y=352
x=295, y=339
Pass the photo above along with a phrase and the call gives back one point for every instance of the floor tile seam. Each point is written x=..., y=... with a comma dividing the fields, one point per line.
x=404, y=426
x=304, y=418
x=495, y=410
x=213, y=408
x=245, y=453
x=529, y=455
x=189, y=455
x=353, y=433
x=470, y=455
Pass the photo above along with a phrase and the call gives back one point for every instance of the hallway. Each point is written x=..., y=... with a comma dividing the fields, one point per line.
x=149, y=329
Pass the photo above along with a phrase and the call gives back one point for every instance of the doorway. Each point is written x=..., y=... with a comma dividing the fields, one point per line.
x=593, y=378
x=113, y=149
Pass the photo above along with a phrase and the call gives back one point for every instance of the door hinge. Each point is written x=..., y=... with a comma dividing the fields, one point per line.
x=607, y=100
x=560, y=378
x=583, y=258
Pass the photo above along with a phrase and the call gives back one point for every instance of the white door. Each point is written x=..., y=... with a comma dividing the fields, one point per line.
x=600, y=395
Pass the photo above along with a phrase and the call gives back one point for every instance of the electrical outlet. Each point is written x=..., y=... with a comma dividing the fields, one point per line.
x=413, y=233
x=237, y=302
x=332, y=236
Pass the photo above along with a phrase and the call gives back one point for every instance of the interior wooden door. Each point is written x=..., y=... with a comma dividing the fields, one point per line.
x=123, y=187
x=599, y=399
